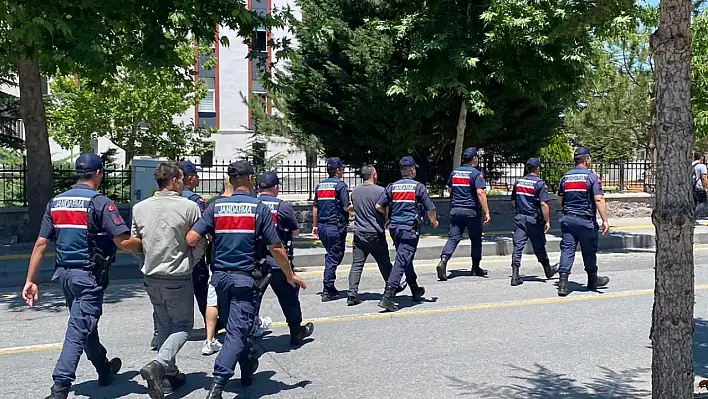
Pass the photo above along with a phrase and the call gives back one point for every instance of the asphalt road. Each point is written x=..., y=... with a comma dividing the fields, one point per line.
x=474, y=337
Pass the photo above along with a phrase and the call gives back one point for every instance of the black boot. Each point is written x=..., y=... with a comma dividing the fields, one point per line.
x=563, y=284
x=112, y=368
x=387, y=301
x=595, y=281
x=153, y=343
x=330, y=294
x=478, y=271
x=248, y=371
x=515, y=277
x=58, y=393
x=549, y=270
x=418, y=292
x=299, y=333
x=173, y=382
x=154, y=373
x=442, y=268
x=353, y=299
x=217, y=387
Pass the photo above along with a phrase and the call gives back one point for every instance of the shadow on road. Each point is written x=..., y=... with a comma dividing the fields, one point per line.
x=263, y=385
x=51, y=298
x=543, y=383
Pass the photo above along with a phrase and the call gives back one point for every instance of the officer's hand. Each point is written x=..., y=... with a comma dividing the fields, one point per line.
x=487, y=219
x=294, y=280
x=30, y=293
x=605, y=227
x=314, y=232
x=435, y=223
x=546, y=228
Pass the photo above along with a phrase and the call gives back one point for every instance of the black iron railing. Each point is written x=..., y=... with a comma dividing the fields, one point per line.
x=299, y=179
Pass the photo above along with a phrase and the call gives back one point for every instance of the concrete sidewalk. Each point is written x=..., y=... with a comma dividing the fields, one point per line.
x=624, y=234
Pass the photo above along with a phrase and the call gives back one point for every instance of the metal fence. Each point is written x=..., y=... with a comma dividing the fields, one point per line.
x=299, y=179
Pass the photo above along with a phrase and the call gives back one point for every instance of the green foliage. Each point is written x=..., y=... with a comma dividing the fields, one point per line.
x=392, y=74
x=135, y=110
x=613, y=114
x=96, y=39
x=556, y=157
x=699, y=77
x=276, y=127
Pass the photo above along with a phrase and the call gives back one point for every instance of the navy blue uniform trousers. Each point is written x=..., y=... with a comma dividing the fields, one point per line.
x=577, y=230
x=237, y=304
x=84, y=297
x=333, y=238
x=288, y=297
x=528, y=228
x=405, y=239
x=458, y=224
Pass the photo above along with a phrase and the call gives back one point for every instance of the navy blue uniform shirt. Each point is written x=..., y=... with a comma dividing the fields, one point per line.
x=192, y=196
x=238, y=220
x=105, y=217
x=464, y=182
x=579, y=186
x=332, y=201
x=528, y=193
x=408, y=198
x=284, y=219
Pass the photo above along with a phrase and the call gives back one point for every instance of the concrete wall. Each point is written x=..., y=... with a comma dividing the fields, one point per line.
x=14, y=221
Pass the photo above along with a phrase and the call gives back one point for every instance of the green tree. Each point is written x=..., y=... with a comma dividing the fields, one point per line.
x=134, y=110
x=612, y=116
x=96, y=39
x=400, y=76
x=699, y=78
x=556, y=157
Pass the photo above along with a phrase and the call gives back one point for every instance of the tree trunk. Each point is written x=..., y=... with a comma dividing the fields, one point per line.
x=673, y=215
x=38, y=182
x=460, y=138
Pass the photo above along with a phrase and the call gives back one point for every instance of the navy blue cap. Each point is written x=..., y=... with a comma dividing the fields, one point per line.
x=240, y=168
x=469, y=153
x=534, y=162
x=88, y=162
x=407, y=161
x=334, y=163
x=581, y=151
x=188, y=168
x=268, y=180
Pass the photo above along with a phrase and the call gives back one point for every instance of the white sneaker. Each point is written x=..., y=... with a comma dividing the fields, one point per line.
x=258, y=331
x=211, y=347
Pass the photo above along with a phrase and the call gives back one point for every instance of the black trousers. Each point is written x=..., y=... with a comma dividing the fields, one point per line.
x=366, y=244
x=288, y=297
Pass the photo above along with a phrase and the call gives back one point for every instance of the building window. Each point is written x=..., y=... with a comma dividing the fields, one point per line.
x=260, y=43
x=207, y=159
x=207, y=104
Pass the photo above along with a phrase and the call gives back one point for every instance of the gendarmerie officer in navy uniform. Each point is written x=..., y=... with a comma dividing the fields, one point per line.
x=408, y=200
x=242, y=226
x=532, y=220
x=330, y=217
x=468, y=211
x=86, y=228
x=582, y=198
x=287, y=225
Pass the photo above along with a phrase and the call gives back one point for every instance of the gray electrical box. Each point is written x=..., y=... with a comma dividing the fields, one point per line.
x=142, y=172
